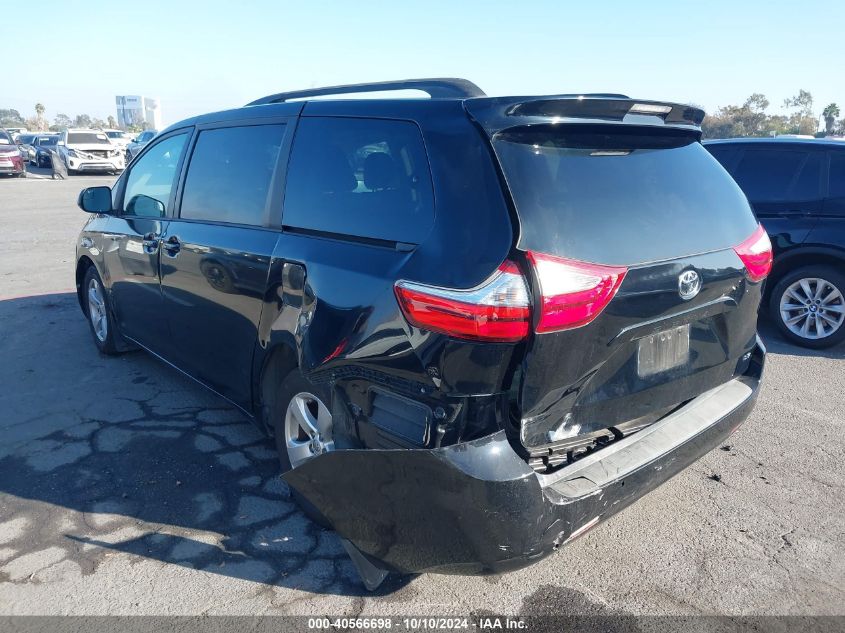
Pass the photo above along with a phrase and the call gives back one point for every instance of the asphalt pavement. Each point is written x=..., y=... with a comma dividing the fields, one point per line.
x=125, y=488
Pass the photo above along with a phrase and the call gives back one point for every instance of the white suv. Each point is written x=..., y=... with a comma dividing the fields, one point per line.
x=89, y=151
x=120, y=138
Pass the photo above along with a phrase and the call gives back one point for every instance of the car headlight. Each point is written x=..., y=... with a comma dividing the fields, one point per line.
x=72, y=153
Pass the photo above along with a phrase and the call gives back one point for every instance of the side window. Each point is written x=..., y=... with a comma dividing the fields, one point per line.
x=230, y=173
x=363, y=177
x=770, y=175
x=807, y=183
x=151, y=179
x=836, y=184
x=725, y=154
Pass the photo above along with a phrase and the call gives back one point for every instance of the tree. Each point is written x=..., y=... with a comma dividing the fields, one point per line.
x=82, y=120
x=112, y=122
x=39, y=122
x=11, y=118
x=749, y=119
x=61, y=122
x=802, y=120
x=829, y=115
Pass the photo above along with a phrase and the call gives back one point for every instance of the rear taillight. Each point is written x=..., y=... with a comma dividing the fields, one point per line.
x=573, y=293
x=497, y=310
x=756, y=254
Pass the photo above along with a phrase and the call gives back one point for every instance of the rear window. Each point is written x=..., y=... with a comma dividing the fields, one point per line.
x=87, y=138
x=620, y=194
x=360, y=177
x=770, y=175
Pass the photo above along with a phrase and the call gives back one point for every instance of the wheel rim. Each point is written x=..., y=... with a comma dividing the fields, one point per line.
x=812, y=308
x=97, y=311
x=308, y=428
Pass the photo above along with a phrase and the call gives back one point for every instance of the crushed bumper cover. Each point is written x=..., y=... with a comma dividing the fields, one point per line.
x=477, y=507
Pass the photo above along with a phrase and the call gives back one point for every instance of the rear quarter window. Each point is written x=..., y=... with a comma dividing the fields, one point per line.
x=359, y=177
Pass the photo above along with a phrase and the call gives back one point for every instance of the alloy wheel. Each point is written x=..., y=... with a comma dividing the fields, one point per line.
x=308, y=428
x=97, y=311
x=812, y=308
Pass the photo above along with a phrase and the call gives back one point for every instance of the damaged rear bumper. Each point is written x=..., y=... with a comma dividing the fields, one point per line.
x=477, y=507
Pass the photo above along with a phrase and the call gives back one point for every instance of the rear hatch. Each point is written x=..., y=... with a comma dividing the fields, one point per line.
x=630, y=232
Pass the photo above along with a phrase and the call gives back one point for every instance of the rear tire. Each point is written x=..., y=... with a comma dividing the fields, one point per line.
x=98, y=311
x=299, y=394
x=806, y=297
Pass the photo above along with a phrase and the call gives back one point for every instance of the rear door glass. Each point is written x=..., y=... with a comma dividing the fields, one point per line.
x=230, y=174
x=770, y=175
x=620, y=194
x=359, y=177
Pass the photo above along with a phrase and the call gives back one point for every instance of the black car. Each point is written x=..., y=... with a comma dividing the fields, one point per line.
x=45, y=147
x=476, y=327
x=797, y=189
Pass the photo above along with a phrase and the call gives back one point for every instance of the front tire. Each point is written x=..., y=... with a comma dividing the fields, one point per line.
x=808, y=306
x=98, y=310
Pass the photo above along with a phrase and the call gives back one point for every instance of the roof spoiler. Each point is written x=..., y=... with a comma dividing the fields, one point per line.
x=503, y=112
x=437, y=88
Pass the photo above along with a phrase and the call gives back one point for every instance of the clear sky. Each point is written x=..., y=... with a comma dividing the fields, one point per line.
x=211, y=55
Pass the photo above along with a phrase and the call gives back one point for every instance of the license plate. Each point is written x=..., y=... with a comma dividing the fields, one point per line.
x=663, y=351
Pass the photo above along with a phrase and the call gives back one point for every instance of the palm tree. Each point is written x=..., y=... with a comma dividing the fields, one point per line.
x=39, y=116
x=830, y=113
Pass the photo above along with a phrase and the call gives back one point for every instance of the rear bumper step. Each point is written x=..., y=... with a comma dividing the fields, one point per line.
x=478, y=508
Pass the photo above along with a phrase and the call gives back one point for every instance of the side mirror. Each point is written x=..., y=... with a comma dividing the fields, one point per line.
x=145, y=207
x=95, y=200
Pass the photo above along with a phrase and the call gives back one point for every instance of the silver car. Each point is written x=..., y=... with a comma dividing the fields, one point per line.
x=137, y=145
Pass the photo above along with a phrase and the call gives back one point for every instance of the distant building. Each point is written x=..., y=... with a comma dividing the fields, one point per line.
x=137, y=110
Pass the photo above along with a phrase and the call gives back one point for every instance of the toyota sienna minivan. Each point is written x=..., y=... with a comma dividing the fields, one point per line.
x=476, y=327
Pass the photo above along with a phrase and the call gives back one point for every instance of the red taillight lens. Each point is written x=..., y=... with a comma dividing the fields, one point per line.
x=573, y=293
x=756, y=254
x=497, y=310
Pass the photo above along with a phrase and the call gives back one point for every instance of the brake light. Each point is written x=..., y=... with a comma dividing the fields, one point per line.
x=756, y=254
x=573, y=293
x=496, y=310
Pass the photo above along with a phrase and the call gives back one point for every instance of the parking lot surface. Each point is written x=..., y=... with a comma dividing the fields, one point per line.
x=125, y=488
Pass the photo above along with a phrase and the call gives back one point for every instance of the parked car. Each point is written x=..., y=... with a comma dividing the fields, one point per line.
x=121, y=138
x=476, y=327
x=42, y=146
x=11, y=158
x=24, y=143
x=89, y=151
x=797, y=190
x=137, y=145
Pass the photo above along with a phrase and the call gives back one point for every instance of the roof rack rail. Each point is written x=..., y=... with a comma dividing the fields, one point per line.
x=438, y=88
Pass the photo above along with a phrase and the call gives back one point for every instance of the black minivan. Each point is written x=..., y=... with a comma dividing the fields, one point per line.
x=476, y=327
x=797, y=189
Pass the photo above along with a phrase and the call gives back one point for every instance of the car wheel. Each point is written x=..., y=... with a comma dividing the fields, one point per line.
x=99, y=313
x=808, y=306
x=302, y=422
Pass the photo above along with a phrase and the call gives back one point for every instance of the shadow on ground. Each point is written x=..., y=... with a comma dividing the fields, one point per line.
x=777, y=344
x=126, y=454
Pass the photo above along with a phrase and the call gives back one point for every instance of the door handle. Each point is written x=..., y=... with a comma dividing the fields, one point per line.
x=150, y=243
x=172, y=245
